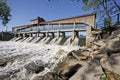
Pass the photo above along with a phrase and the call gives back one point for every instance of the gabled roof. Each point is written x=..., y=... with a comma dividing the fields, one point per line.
x=57, y=20
x=53, y=22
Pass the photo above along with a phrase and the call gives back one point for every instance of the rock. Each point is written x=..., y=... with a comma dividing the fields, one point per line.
x=60, y=52
x=75, y=56
x=4, y=75
x=68, y=67
x=3, y=63
x=50, y=76
x=72, y=70
x=89, y=71
x=79, y=54
x=35, y=66
x=113, y=47
x=8, y=74
x=99, y=45
x=112, y=63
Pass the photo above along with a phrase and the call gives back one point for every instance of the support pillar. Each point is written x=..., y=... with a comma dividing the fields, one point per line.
x=74, y=34
x=58, y=34
x=63, y=34
x=19, y=35
x=37, y=34
x=88, y=35
x=16, y=35
x=43, y=34
x=30, y=35
x=53, y=35
x=23, y=35
x=46, y=34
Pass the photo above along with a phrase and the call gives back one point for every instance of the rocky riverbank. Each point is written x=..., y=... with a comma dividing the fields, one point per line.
x=100, y=62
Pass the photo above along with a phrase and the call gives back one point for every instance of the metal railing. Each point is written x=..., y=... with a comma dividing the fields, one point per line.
x=50, y=28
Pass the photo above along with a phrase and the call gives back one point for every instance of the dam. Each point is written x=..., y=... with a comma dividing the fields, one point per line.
x=55, y=31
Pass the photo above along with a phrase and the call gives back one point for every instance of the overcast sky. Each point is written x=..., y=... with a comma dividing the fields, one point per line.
x=23, y=11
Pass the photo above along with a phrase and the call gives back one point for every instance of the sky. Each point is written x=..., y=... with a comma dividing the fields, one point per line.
x=23, y=11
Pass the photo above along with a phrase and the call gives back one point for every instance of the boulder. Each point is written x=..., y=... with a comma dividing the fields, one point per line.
x=3, y=63
x=89, y=71
x=112, y=63
x=35, y=66
x=8, y=74
x=113, y=46
x=4, y=75
x=50, y=76
x=72, y=70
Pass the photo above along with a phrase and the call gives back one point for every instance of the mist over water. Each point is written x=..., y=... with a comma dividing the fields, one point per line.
x=17, y=57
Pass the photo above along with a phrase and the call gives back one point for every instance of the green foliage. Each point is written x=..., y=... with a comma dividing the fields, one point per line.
x=103, y=77
x=107, y=25
x=4, y=12
x=90, y=4
x=104, y=8
x=106, y=22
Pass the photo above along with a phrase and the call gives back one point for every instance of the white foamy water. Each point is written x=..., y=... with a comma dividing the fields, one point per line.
x=18, y=54
x=75, y=42
x=21, y=40
x=68, y=41
x=36, y=39
x=28, y=39
x=15, y=39
x=53, y=41
x=58, y=41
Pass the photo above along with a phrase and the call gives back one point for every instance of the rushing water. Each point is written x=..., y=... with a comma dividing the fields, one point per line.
x=53, y=41
x=68, y=41
x=18, y=54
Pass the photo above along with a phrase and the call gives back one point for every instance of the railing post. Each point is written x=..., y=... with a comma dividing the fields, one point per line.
x=74, y=25
x=43, y=28
x=59, y=26
x=48, y=27
x=52, y=27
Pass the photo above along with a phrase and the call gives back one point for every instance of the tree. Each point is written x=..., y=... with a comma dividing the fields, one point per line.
x=105, y=7
x=5, y=15
x=118, y=6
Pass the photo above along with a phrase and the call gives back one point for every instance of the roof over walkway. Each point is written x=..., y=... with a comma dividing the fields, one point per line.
x=82, y=19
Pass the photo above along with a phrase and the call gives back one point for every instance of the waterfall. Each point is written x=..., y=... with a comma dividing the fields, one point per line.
x=53, y=41
x=58, y=41
x=68, y=41
x=37, y=40
x=34, y=40
x=27, y=39
x=18, y=38
x=47, y=40
x=42, y=40
x=18, y=55
x=21, y=40
x=75, y=42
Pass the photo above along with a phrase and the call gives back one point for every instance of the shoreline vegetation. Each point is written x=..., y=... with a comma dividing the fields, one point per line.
x=6, y=36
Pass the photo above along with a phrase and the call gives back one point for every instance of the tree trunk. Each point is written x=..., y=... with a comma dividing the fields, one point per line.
x=106, y=10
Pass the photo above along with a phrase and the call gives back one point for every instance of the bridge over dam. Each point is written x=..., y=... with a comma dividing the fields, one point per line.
x=55, y=31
